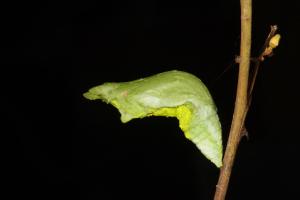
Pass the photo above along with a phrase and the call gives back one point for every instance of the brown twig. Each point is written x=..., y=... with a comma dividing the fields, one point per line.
x=241, y=100
x=244, y=93
x=266, y=51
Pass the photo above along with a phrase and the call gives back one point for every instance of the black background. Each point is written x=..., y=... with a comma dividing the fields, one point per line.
x=59, y=145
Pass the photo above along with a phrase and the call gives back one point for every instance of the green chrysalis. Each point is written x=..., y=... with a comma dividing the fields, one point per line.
x=171, y=94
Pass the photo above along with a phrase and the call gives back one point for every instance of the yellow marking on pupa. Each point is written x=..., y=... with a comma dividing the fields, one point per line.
x=182, y=113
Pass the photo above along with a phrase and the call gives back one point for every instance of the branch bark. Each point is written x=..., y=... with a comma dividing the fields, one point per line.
x=240, y=102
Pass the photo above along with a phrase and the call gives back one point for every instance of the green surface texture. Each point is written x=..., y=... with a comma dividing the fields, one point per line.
x=171, y=94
